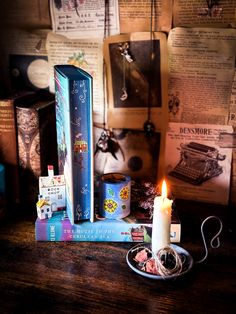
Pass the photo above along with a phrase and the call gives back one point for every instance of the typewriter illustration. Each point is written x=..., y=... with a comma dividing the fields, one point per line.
x=198, y=163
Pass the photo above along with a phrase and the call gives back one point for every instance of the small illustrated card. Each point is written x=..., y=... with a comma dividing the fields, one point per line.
x=52, y=189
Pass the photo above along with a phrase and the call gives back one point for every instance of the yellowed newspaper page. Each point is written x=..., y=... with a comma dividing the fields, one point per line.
x=83, y=53
x=204, y=13
x=135, y=16
x=84, y=19
x=201, y=63
x=232, y=113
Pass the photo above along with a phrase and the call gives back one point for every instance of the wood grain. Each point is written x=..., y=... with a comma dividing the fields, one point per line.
x=73, y=277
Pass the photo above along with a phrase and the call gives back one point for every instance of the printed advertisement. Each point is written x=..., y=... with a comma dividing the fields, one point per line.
x=196, y=166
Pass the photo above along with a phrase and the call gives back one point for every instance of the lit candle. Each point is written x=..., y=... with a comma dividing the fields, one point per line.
x=161, y=220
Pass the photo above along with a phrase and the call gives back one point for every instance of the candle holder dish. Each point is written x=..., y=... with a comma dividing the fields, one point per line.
x=186, y=259
x=177, y=261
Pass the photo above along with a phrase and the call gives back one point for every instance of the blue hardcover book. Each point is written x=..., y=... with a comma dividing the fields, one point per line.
x=134, y=228
x=73, y=94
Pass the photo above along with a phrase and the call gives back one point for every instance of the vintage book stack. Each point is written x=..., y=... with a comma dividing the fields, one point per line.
x=137, y=227
x=8, y=143
x=28, y=143
x=37, y=144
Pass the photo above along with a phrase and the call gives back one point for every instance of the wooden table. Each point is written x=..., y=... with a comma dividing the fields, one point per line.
x=70, y=277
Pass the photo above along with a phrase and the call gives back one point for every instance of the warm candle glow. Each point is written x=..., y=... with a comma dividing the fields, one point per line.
x=161, y=220
x=164, y=189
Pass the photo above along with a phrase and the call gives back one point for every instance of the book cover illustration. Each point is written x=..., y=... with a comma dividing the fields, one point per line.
x=73, y=92
x=134, y=228
x=36, y=127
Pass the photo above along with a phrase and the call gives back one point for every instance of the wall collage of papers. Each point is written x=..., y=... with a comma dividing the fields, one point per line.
x=164, y=82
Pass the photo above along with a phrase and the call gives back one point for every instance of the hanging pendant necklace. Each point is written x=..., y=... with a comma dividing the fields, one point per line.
x=126, y=57
x=106, y=142
x=149, y=127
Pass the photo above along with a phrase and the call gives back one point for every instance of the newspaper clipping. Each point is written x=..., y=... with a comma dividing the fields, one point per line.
x=84, y=53
x=201, y=63
x=204, y=13
x=196, y=166
x=135, y=15
x=84, y=19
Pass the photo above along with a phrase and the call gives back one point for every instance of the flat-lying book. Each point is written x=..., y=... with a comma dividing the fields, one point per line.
x=134, y=228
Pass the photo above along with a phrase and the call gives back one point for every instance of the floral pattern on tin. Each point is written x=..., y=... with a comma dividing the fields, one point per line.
x=124, y=193
x=110, y=206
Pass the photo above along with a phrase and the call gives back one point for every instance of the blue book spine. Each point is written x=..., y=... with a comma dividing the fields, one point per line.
x=63, y=133
x=2, y=191
x=80, y=134
x=73, y=93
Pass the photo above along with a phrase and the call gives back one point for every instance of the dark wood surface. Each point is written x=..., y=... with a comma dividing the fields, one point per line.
x=80, y=277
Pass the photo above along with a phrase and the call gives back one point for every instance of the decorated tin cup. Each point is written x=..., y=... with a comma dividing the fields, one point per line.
x=114, y=195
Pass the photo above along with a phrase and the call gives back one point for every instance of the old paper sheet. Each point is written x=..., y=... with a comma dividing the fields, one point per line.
x=204, y=13
x=196, y=166
x=201, y=72
x=84, y=19
x=135, y=15
x=84, y=53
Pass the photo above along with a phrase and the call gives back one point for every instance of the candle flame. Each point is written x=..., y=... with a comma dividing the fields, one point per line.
x=164, y=189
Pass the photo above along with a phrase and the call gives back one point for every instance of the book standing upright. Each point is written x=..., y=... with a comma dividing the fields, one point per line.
x=36, y=133
x=73, y=94
x=8, y=143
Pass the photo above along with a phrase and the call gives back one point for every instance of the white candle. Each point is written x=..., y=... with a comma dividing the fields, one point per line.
x=161, y=220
